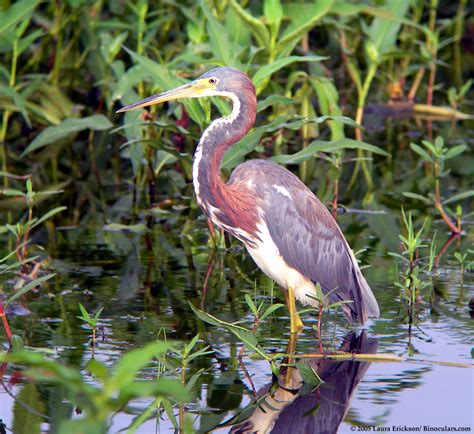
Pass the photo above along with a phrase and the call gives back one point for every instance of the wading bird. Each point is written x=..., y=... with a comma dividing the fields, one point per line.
x=288, y=232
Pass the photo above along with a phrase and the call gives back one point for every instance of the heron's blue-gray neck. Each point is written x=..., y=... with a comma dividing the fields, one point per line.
x=221, y=134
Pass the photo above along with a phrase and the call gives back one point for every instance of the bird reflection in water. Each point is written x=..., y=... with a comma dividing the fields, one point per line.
x=285, y=407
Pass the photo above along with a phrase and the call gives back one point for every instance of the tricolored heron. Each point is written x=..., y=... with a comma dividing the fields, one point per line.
x=288, y=232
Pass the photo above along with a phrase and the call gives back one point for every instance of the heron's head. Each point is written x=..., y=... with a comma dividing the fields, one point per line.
x=220, y=81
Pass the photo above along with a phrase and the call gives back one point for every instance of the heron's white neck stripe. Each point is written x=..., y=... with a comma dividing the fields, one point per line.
x=218, y=122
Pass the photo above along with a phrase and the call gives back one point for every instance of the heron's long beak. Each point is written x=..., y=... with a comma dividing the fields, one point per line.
x=195, y=89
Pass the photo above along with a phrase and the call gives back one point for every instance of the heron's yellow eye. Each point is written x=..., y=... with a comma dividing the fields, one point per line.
x=212, y=81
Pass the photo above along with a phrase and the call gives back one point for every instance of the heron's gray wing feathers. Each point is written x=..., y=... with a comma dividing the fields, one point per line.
x=309, y=239
x=306, y=235
x=310, y=242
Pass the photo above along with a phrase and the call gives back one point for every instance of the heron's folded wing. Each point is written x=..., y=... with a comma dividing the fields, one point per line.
x=310, y=241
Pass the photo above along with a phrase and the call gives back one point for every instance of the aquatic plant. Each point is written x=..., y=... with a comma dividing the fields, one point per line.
x=412, y=278
x=113, y=389
x=28, y=271
x=91, y=321
x=436, y=154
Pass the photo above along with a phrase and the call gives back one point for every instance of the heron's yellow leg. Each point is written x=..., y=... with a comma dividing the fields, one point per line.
x=296, y=324
x=289, y=360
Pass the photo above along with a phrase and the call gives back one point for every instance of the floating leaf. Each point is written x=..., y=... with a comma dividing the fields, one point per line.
x=65, y=128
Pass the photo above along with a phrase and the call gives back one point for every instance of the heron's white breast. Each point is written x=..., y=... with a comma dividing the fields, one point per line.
x=267, y=256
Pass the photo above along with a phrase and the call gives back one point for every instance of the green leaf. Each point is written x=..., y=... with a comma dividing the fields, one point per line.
x=190, y=345
x=274, y=100
x=251, y=304
x=323, y=146
x=162, y=387
x=458, y=197
x=273, y=11
x=430, y=146
x=455, y=151
x=82, y=425
x=193, y=380
x=170, y=413
x=328, y=98
x=132, y=77
x=18, y=101
x=383, y=31
x=85, y=315
x=16, y=13
x=345, y=8
x=28, y=40
x=237, y=152
x=397, y=255
x=222, y=48
x=48, y=215
x=271, y=309
x=244, y=335
x=12, y=192
x=258, y=29
x=97, y=315
x=65, y=128
x=303, y=17
x=132, y=362
x=309, y=375
x=97, y=369
x=421, y=152
x=417, y=197
x=267, y=70
x=28, y=287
